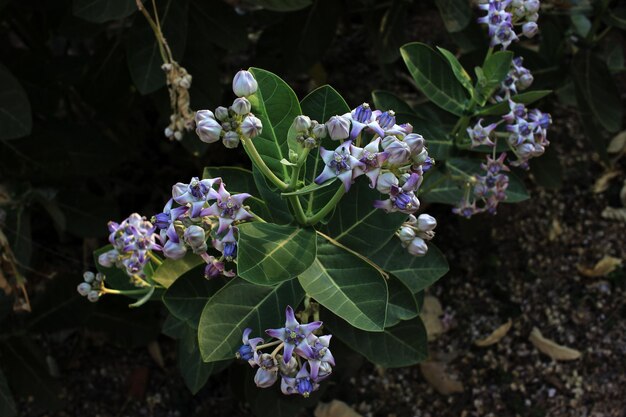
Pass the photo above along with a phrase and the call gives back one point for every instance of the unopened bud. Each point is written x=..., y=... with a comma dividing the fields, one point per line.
x=241, y=106
x=338, y=127
x=244, y=84
x=426, y=222
x=209, y=130
x=417, y=247
x=302, y=123
x=83, y=289
x=231, y=140
x=221, y=113
x=251, y=126
x=385, y=182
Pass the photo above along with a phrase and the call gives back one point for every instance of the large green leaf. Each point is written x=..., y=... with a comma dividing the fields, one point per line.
x=278, y=209
x=282, y=5
x=437, y=141
x=170, y=270
x=434, y=77
x=270, y=253
x=493, y=72
x=276, y=105
x=527, y=97
x=187, y=296
x=142, y=50
x=392, y=31
x=458, y=70
x=456, y=14
x=238, y=305
x=359, y=225
x=402, y=304
x=214, y=19
x=348, y=286
x=321, y=104
x=7, y=404
x=100, y=11
x=405, y=344
x=15, y=114
x=416, y=272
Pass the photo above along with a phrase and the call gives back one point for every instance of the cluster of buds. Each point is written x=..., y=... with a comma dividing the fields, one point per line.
x=300, y=358
x=528, y=130
x=488, y=189
x=92, y=286
x=205, y=211
x=309, y=132
x=518, y=79
x=133, y=241
x=415, y=232
x=235, y=122
x=178, y=84
x=503, y=16
x=394, y=159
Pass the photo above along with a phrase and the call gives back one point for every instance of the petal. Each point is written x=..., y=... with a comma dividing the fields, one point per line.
x=373, y=146
x=255, y=341
x=242, y=214
x=346, y=178
x=309, y=328
x=315, y=367
x=223, y=194
x=326, y=155
x=325, y=340
x=303, y=349
x=276, y=333
x=385, y=205
x=239, y=198
x=288, y=352
x=373, y=176
x=357, y=127
x=213, y=210
x=225, y=222
x=290, y=322
x=196, y=209
x=246, y=333
x=326, y=174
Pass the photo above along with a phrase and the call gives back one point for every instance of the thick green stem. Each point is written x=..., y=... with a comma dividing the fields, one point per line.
x=155, y=258
x=248, y=145
x=298, y=210
x=328, y=207
x=296, y=169
x=126, y=292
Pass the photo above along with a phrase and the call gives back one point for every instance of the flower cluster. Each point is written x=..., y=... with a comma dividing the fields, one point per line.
x=178, y=84
x=235, y=122
x=518, y=79
x=305, y=360
x=205, y=209
x=488, y=191
x=503, y=16
x=92, y=286
x=309, y=132
x=133, y=241
x=415, y=232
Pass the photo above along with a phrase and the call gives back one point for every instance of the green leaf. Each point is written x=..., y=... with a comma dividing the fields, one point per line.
x=282, y=5
x=528, y=97
x=279, y=212
x=174, y=327
x=360, y=226
x=458, y=70
x=276, y=105
x=127, y=327
x=348, y=286
x=416, y=272
x=596, y=84
x=15, y=113
x=392, y=31
x=402, y=304
x=321, y=104
x=405, y=344
x=494, y=71
x=434, y=77
x=187, y=296
x=547, y=170
x=437, y=141
x=270, y=253
x=593, y=131
x=7, y=404
x=238, y=305
x=100, y=11
x=617, y=17
x=581, y=24
x=456, y=14
x=142, y=50
x=170, y=270
x=116, y=278
x=214, y=20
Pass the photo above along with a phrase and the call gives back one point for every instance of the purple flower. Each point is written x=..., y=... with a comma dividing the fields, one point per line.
x=248, y=348
x=479, y=134
x=215, y=268
x=402, y=199
x=229, y=208
x=302, y=384
x=362, y=117
x=399, y=152
x=195, y=194
x=465, y=209
x=320, y=353
x=267, y=374
x=227, y=244
x=294, y=335
x=339, y=163
x=338, y=127
x=371, y=160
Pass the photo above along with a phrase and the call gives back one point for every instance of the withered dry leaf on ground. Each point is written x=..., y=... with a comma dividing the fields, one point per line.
x=551, y=348
x=618, y=143
x=603, y=268
x=335, y=408
x=613, y=213
x=555, y=230
x=4, y=284
x=602, y=183
x=435, y=374
x=430, y=315
x=496, y=335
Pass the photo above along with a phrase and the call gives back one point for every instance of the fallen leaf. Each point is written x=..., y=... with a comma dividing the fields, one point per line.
x=335, y=408
x=622, y=194
x=435, y=374
x=431, y=311
x=613, y=213
x=555, y=230
x=496, y=335
x=552, y=349
x=154, y=349
x=618, y=143
x=603, y=268
x=602, y=183
x=4, y=284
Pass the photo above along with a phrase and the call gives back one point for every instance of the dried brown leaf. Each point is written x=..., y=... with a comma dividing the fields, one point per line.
x=435, y=374
x=335, y=408
x=613, y=213
x=431, y=311
x=618, y=143
x=603, y=268
x=551, y=348
x=496, y=335
x=4, y=284
x=555, y=230
x=602, y=183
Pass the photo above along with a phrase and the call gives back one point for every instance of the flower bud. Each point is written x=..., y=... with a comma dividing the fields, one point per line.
x=251, y=127
x=108, y=259
x=221, y=113
x=406, y=235
x=417, y=247
x=407, y=127
x=387, y=119
x=93, y=296
x=265, y=378
x=420, y=158
x=530, y=29
x=319, y=130
x=174, y=250
x=289, y=369
x=302, y=123
x=399, y=153
x=209, y=130
x=83, y=289
x=168, y=132
x=385, y=182
x=231, y=140
x=203, y=115
x=178, y=135
x=194, y=236
x=426, y=222
x=89, y=276
x=338, y=127
x=532, y=6
x=524, y=81
x=244, y=84
x=415, y=142
x=241, y=106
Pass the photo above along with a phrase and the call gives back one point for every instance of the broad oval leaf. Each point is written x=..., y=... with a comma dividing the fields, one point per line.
x=276, y=105
x=269, y=253
x=402, y=303
x=416, y=272
x=495, y=69
x=404, y=344
x=100, y=11
x=458, y=70
x=527, y=97
x=15, y=113
x=456, y=14
x=434, y=77
x=238, y=305
x=348, y=286
x=7, y=403
x=279, y=212
x=170, y=270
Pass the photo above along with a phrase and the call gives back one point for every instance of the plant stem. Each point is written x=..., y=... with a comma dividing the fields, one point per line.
x=328, y=207
x=256, y=216
x=296, y=169
x=297, y=208
x=278, y=348
x=125, y=292
x=143, y=299
x=266, y=345
x=155, y=258
x=248, y=145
